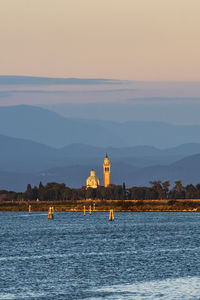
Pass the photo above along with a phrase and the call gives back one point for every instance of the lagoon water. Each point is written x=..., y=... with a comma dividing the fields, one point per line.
x=138, y=256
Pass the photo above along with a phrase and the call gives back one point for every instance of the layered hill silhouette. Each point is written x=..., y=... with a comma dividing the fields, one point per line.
x=39, y=145
x=187, y=170
x=47, y=127
x=20, y=155
x=24, y=161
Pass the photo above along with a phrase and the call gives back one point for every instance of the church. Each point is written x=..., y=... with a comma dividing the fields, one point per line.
x=93, y=181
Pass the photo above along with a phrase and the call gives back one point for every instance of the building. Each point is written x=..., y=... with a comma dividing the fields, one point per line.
x=106, y=171
x=92, y=181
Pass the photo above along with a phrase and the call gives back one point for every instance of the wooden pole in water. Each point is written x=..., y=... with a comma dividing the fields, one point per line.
x=52, y=212
x=49, y=213
x=84, y=210
x=111, y=215
x=29, y=209
x=90, y=209
x=93, y=206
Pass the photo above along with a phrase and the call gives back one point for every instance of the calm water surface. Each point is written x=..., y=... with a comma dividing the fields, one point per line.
x=138, y=256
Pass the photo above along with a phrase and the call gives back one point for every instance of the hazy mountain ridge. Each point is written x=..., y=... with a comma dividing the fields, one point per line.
x=187, y=170
x=21, y=155
x=44, y=126
x=47, y=127
x=23, y=161
x=75, y=175
x=122, y=172
x=39, y=145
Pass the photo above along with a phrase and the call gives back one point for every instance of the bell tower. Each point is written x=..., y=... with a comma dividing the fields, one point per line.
x=106, y=171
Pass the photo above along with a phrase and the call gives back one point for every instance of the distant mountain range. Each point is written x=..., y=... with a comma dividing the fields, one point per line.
x=20, y=155
x=187, y=170
x=47, y=127
x=40, y=145
x=24, y=161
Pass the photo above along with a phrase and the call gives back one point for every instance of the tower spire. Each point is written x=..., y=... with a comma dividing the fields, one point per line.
x=106, y=171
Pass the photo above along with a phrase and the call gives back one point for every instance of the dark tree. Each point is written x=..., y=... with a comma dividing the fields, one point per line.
x=165, y=187
x=178, y=191
x=191, y=192
x=28, y=195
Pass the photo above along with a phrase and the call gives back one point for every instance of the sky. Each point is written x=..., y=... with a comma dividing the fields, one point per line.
x=145, y=40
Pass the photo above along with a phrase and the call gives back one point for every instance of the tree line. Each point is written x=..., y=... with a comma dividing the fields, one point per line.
x=59, y=191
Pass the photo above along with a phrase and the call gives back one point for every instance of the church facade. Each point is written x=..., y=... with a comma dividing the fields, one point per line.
x=93, y=181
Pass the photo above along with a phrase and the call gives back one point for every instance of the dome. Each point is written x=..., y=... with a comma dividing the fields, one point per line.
x=92, y=181
x=92, y=173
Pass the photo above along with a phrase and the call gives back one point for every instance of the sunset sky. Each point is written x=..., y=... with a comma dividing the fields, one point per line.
x=123, y=39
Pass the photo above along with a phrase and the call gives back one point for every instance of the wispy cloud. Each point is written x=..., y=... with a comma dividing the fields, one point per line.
x=8, y=93
x=28, y=80
x=163, y=100
x=5, y=94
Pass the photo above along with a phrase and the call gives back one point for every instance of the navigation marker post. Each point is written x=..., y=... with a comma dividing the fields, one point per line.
x=111, y=215
x=51, y=213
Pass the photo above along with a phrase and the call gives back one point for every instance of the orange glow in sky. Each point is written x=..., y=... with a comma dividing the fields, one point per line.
x=122, y=39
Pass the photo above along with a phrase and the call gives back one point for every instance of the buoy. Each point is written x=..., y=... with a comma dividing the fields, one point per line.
x=111, y=215
x=90, y=209
x=84, y=210
x=29, y=209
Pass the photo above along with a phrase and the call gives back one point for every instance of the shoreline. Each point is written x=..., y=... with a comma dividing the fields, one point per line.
x=105, y=206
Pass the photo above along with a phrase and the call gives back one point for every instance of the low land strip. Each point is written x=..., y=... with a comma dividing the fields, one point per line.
x=190, y=205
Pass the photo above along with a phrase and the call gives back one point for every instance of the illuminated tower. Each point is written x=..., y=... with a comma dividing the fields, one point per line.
x=106, y=171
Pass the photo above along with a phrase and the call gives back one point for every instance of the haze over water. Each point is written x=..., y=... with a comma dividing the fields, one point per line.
x=138, y=256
